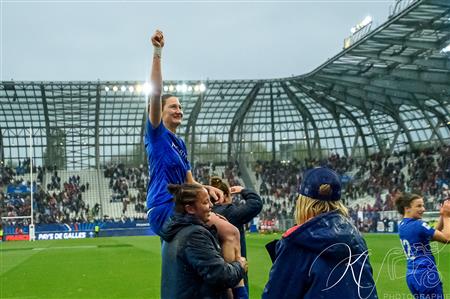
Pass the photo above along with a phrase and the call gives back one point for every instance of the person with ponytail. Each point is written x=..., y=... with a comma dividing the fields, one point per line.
x=237, y=214
x=192, y=264
x=324, y=255
x=422, y=275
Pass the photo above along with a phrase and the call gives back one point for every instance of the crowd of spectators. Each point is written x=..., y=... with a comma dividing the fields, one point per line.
x=54, y=203
x=230, y=172
x=380, y=178
x=62, y=204
x=122, y=180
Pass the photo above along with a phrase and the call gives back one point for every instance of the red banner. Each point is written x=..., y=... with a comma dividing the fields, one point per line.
x=17, y=237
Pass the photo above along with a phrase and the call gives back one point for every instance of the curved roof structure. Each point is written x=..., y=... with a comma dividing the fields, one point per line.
x=387, y=90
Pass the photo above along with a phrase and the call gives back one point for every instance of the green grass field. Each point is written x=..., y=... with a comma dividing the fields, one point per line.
x=129, y=267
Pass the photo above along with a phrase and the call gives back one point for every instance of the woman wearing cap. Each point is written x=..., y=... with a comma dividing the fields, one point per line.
x=192, y=265
x=324, y=255
x=422, y=276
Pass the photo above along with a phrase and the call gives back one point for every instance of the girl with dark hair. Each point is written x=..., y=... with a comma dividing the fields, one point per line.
x=240, y=214
x=192, y=265
x=422, y=275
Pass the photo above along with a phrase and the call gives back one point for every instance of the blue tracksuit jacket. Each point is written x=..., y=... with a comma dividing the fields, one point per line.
x=326, y=257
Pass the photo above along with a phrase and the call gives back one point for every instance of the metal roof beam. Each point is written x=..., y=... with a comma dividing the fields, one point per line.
x=433, y=77
x=191, y=124
x=445, y=3
x=426, y=45
x=97, y=126
x=304, y=111
x=430, y=62
x=392, y=83
x=335, y=109
x=242, y=110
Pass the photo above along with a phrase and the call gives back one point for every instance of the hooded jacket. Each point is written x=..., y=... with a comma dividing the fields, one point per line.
x=192, y=266
x=326, y=257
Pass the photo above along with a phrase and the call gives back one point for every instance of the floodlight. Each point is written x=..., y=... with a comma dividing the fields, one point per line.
x=196, y=88
x=446, y=49
x=147, y=88
x=123, y=88
x=166, y=88
x=115, y=88
x=189, y=88
x=171, y=88
x=183, y=87
x=106, y=88
x=367, y=20
x=138, y=88
x=178, y=87
x=131, y=88
x=202, y=87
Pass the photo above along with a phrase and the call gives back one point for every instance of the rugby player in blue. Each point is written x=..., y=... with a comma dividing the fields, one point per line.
x=422, y=275
x=168, y=163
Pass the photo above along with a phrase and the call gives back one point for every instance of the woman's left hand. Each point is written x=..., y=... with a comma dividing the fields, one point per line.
x=216, y=194
x=236, y=189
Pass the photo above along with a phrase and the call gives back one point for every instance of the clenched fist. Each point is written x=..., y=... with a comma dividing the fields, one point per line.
x=158, y=39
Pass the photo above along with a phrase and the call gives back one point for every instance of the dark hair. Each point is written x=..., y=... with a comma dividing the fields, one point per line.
x=219, y=184
x=163, y=101
x=404, y=201
x=184, y=194
x=165, y=97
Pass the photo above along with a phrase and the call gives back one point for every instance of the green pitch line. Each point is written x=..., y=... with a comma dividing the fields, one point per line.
x=130, y=267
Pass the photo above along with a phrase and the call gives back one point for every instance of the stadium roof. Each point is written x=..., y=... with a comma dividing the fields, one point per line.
x=387, y=90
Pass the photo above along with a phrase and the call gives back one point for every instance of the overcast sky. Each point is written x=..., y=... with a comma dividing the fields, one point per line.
x=90, y=40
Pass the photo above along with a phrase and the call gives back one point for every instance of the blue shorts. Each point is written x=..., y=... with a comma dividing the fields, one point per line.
x=159, y=215
x=425, y=285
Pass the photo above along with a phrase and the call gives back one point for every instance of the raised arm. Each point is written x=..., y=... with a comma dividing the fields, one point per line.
x=154, y=105
x=442, y=233
x=245, y=212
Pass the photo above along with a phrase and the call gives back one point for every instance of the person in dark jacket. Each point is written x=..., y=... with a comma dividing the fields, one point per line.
x=238, y=215
x=324, y=256
x=241, y=214
x=192, y=265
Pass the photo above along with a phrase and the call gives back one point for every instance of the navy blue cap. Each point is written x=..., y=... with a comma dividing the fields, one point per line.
x=314, y=178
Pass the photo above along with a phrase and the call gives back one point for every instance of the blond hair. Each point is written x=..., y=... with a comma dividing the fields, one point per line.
x=307, y=208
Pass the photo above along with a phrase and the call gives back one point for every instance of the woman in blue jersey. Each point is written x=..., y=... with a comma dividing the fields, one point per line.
x=169, y=164
x=422, y=275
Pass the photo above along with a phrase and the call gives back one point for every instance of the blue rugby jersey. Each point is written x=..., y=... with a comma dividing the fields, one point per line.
x=167, y=163
x=415, y=236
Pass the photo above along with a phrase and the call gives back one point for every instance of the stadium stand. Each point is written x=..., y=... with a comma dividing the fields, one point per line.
x=377, y=112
